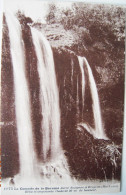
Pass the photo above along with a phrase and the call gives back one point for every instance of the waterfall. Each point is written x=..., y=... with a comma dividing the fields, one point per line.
x=51, y=149
x=81, y=64
x=98, y=132
x=77, y=100
x=22, y=99
x=31, y=167
x=72, y=70
x=49, y=97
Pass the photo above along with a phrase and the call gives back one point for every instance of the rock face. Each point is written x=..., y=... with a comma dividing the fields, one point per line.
x=87, y=157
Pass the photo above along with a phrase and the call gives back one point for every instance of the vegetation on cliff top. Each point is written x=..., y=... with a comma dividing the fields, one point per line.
x=93, y=31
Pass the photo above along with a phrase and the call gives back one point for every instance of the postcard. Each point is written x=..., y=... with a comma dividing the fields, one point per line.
x=62, y=97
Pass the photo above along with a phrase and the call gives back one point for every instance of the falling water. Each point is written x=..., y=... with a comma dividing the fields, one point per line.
x=99, y=130
x=77, y=100
x=22, y=99
x=48, y=96
x=72, y=70
x=81, y=64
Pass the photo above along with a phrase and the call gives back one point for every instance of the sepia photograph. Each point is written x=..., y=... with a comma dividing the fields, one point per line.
x=62, y=97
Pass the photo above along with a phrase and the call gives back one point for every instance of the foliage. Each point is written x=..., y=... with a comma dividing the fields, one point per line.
x=98, y=159
x=98, y=32
x=51, y=16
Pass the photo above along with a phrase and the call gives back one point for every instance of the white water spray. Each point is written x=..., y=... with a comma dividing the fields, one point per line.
x=22, y=99
x=49, y=97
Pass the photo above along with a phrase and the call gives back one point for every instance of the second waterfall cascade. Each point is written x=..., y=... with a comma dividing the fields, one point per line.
x=98, y=131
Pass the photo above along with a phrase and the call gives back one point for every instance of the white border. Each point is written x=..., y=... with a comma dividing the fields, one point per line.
x=117, y=2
